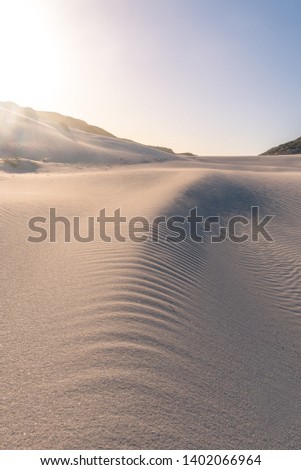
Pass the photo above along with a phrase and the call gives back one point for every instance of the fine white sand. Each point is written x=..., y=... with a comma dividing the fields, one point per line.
x=142, y=345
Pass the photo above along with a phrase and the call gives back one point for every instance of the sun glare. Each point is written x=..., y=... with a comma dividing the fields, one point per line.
x=28, y=53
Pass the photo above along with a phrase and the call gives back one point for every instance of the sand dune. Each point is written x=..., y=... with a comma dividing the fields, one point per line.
x=143, y=345
x=146, y=345
x=46, y=143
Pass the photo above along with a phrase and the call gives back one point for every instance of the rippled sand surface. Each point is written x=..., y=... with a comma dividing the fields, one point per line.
x=153, y=345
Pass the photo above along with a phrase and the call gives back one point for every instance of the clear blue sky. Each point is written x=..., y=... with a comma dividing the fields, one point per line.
x=214, y=77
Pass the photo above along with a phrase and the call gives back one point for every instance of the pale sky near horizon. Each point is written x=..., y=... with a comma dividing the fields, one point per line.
x=213, y=77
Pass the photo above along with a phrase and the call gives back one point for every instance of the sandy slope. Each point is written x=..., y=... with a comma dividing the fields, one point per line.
x=124, y=345
x=43, y=142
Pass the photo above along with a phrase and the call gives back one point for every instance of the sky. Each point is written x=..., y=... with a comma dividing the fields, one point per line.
x=213, y=77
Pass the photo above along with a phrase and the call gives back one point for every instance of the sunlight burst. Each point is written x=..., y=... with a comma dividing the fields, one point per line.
x=28, y=52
